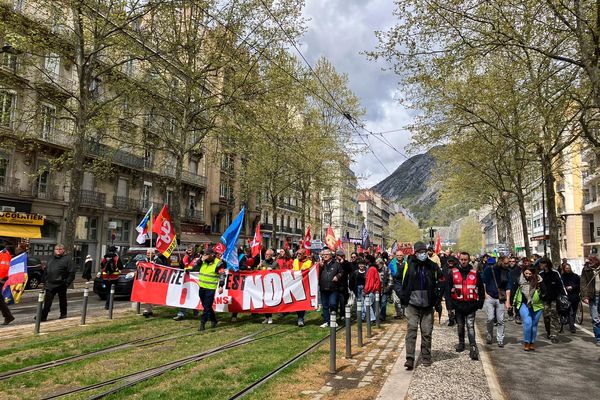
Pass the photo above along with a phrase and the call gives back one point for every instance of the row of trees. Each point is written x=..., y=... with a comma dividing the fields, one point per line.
x=509, y=88
x=189, y=72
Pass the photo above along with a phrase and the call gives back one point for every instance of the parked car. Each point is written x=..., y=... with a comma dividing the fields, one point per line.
x=124, y=284
x=35, y=272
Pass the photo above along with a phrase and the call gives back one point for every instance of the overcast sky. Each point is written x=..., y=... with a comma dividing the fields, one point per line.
x=339, y=30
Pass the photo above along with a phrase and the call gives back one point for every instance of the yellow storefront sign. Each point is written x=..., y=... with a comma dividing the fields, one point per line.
x=16, y=218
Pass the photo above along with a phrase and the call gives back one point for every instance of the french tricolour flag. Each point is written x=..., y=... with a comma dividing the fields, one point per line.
x=17, y=273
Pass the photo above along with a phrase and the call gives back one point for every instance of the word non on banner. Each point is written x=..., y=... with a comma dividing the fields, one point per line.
x=245, y=291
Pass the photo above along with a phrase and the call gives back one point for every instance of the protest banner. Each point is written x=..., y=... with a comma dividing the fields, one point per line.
x=273, y=291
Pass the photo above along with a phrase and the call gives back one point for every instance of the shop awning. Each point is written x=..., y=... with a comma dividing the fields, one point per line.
x=20, y=231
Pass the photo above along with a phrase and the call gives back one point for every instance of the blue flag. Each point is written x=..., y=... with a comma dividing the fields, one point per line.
x=229, y=239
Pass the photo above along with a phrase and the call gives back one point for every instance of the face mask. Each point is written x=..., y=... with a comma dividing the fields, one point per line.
x=422, y=256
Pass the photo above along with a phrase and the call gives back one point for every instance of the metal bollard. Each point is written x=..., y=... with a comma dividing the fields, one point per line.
x=86, y=294
x=377, y=310
x=368, y=315
x=332, y=342
x=348, y=333
x=111, y=300
x=38, y=314
x=359, y=337
x=138, y=308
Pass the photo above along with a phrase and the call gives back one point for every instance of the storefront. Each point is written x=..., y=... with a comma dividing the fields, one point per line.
x=16, y=226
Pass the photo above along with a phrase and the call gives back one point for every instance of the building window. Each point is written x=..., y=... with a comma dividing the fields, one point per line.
x=8, y=104
x=48, y=120
x=86, y=228
x=9, y=61
x=169, y=199
x=52, y=66
x=147, y=197
x=193, y=166
x=3, y=169
x=121, y=232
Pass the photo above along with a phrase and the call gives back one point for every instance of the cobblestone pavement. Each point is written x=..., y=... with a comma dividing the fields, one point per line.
x=367, y=367
x=446, y=378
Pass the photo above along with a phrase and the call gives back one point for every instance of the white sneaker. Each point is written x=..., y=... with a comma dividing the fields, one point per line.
x=266, y=321
x=269, y=320
x=325, y=325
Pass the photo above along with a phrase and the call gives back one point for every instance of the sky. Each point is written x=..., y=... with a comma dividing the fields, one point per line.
x=340, y=30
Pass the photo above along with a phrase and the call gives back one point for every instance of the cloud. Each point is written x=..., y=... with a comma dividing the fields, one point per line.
x=340, y=30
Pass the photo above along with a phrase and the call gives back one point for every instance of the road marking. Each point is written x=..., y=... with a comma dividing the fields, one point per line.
x=581, y=328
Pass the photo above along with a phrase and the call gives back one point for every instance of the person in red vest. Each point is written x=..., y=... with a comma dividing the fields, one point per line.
x=466, y=293
x=110, y=267
x=5, y=258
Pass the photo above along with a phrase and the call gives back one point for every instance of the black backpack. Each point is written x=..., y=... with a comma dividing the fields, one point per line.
x=110, y=264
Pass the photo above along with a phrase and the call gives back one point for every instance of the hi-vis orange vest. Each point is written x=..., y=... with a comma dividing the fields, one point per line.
x=464, y=290
x=5, y=258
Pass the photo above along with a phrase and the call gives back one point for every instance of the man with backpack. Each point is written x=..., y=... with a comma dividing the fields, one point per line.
x=110, y=267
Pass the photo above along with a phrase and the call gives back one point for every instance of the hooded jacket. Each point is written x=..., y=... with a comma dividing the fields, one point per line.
x=372, y=281
x=421, y=287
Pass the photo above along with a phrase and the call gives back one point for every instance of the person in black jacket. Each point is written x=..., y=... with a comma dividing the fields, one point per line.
x=420, y=294
x=572, y=284
x=330, y=276
x=551, y=288
x=465, y=293
x=343, y=291
x=60, y=273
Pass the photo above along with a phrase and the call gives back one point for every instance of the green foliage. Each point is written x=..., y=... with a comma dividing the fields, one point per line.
x=402, y=230
x=470, y=236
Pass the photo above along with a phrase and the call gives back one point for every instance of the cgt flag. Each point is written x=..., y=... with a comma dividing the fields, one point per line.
x=306, y=240
x=17, y=279
x=163, y=227
x=330, y=239
x=256, y=243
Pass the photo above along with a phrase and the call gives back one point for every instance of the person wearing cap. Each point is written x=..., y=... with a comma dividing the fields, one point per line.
x=466, y=294
x=420, y=294
x=110, y=267
x=269, y=263
x=498, y=285
x=590, y=292
x=343, y=291
x=211, y=278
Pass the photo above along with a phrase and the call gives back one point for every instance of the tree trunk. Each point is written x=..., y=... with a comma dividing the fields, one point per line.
x=79, y=147
x=523, y=216
x=507, y=222
x=553, y=226
x=177, y=186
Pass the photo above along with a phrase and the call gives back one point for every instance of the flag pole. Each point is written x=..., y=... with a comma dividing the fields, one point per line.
x=151, y=218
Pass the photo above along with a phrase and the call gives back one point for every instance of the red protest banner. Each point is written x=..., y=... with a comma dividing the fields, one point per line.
x=163, y=227
x=245, y=291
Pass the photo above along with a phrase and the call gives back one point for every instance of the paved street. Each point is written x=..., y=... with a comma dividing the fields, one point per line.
x=25, y=311
x=566, y=370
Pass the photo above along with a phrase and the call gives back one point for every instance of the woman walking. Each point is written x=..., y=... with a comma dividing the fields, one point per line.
x=530, y=305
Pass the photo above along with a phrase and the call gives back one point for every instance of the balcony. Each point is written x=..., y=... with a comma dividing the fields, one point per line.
x=289, y=207
x=90, y=198
x=125, y=203
x=194, y=179
x=117, y=156
x=54, y=80
x=592, y=206
x=144, y=205
x=587, y=180
x=9, y=185
x=44, y=191
x=193, y=216
x=56, y=137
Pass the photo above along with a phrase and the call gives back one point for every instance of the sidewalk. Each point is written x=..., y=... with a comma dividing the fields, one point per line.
x=31, y=295
x=440, y=380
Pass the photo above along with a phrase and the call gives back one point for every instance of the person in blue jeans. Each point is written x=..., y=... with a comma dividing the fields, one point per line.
x=590, y=292
x=530, y=305
x=330, y=276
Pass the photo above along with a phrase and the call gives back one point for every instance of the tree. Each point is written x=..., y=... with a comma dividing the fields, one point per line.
x=402, y=230
x=470, y=238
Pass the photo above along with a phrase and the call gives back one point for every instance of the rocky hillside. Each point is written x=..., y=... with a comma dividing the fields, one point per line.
x=411, y=185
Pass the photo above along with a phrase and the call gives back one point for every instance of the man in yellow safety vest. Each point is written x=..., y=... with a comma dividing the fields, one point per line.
x=301, y=262
x=211, y=277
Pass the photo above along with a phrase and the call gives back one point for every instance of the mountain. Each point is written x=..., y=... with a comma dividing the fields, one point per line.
x=412, y=186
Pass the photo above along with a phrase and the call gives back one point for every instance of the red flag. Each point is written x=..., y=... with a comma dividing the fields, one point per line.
x=219, y=248
x=330, y=239
x=256, y=243
x=306, y=240
x=378, y=251
x=438, y=244
x=286, y=245
x=163, y=227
